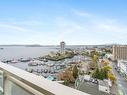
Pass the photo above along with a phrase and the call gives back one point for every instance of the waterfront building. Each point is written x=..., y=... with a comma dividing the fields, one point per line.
x=62, y=47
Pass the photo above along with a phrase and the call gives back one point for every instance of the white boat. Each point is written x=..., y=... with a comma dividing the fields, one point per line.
x=33, y=63
x=24, y=60
x=14, y=61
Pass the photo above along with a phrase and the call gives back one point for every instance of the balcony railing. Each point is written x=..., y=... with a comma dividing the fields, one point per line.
x=13, y=78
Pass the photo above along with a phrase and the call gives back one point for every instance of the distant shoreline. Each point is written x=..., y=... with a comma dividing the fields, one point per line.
x=38, y=45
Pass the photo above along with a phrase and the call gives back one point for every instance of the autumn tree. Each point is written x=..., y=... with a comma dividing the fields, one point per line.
x=112, y=77
x=107, y=68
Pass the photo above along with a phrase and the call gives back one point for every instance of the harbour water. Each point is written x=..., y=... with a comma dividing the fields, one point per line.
x=15, y=52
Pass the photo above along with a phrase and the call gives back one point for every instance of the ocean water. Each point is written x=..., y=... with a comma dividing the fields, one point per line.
x=15, y=52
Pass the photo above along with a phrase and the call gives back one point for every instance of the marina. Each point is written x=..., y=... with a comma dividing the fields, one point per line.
x=42, y=68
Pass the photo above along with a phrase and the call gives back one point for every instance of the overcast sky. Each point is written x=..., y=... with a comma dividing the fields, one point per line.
x=47, y=22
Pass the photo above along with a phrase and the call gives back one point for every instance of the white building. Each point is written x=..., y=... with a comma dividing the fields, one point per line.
x=122, y=65
x=109, y=56
x=62, y=47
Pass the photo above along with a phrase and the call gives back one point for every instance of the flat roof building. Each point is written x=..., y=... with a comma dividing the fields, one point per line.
x=120, y=52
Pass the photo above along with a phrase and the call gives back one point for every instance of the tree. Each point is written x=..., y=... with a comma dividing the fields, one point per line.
x=102, y=74
x=96, y=73
x=94, y=52
x=66, y=75
x=108, y=50
x=112, y=77
x=99, y=74
x=94, y=60
x=85, y=53
x=66, y=82
x=75, y=72
x=107, y=68
x=95, y=57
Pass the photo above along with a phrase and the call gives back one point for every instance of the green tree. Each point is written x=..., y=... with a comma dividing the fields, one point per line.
x=99, y=74
x=96, y=73
x=85, y=53
x=94, y=60
x=102, y=74
x=66, y=82
x=75, y=72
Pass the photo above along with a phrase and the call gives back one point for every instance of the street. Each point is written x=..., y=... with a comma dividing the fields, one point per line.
x=121, y=82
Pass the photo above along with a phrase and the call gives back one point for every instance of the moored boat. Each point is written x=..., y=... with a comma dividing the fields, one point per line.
x=33, y=63
x=24, y=60
x=14, y=61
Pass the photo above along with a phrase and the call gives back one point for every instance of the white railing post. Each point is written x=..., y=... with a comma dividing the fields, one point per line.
x=7, y=86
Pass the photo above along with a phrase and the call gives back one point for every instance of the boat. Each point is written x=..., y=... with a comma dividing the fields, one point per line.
x=52, y=71
x=43, y=59
x=6, y=61
x=14, y=61
x=33, y=63
x=45, y=71
x=29, y=70
x=50, y=64
x=24, y=60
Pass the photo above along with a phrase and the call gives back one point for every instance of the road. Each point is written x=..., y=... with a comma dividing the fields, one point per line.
x=121, y=83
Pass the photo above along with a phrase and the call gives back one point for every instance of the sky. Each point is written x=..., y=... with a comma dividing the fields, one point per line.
x=77, y=22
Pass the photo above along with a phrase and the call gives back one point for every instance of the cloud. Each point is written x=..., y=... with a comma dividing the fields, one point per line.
x=16, y=28
x=28, y=23
x=90, y=29
x=67, y=25
x=81, y=13
x=80, y=27
x=100, y=23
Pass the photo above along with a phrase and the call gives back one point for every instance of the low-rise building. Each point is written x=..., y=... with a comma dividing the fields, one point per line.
x=122, y=67
x=109, y=56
